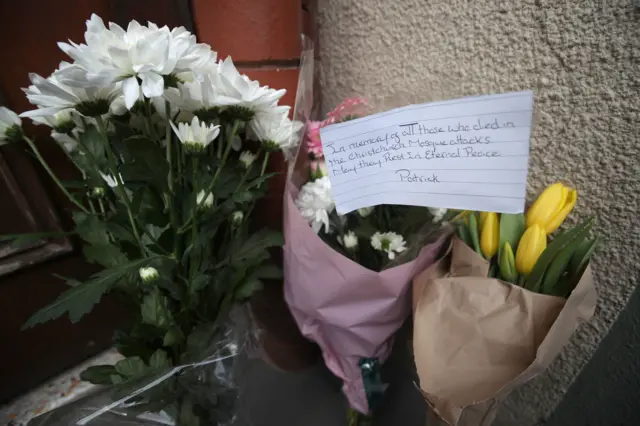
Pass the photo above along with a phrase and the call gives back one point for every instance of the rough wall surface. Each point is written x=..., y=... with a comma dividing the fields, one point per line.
x=581, y=60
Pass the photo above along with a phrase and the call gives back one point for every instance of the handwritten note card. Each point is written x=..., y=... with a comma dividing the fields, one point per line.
x=469, y=153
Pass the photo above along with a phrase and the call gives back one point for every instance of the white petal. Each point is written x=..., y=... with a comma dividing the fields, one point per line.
x=152, y=84
x=131, y=91
x=41, y=112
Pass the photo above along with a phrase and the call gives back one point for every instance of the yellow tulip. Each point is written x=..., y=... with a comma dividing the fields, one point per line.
x=530, y=247
x=552, y=207
x=489, y=234
x=483, y=217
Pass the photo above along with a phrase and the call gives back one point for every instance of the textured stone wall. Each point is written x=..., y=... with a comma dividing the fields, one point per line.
x=581, y=60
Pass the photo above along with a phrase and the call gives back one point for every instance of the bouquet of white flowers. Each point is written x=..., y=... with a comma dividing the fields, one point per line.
x=347, y=276
x=172, y=147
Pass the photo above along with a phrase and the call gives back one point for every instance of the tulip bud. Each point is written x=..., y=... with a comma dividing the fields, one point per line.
x=552, y=207
x=507, y=264
x=531, y=246
x=489, y=234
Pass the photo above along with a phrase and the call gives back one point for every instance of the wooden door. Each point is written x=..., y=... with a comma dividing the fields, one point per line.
x=29, y=202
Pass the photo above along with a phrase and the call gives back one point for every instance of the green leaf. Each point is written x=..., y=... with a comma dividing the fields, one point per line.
x=91, y=228
x=512, y=226
x=155, y=310
x=559, y=264
x=254, y=245
x=106, y=255
x=474, y=233
x=133, y=366
x=159, y=360
x=117, y=379
x=79, y=300
x=462, y=230
x=98, y=374
x=144, y=161
x=268, y=272
x=128, y=345
x=582, y=256
x=533, y=282
x=172, y=338
x=187, y=416
x=92, y=142
x=248, y=288
x=200, y=338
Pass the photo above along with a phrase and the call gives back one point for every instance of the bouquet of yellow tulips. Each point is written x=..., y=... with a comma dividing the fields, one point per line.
x=499, y=306
x=520, y=247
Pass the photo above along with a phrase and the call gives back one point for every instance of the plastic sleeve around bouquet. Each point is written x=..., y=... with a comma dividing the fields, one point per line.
x=204, y=390
x=477, y=338
x=351, y=312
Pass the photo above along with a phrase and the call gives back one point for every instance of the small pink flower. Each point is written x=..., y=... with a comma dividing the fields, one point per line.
x=314, y=146
x=349, y=109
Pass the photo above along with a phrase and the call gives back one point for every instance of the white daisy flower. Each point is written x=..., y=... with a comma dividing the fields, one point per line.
x=389, y=242
x=437, y=213
x=196, y=136
x=141, y=53
x=10, y=126
x=204, y=200
x=274, y=128
x=349, y=241
x=51, y=96
x=247, y=158
x=111, y=181
x=315, y=203
x=149, y=274
x=366, y=211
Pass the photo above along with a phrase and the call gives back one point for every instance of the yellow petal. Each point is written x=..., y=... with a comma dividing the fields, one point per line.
x=483, y=216
x=547, y=205
x=555, y=222
x=490, y=234
x=531, y=246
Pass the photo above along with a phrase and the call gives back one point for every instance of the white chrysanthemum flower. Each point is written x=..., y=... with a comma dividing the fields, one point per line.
x=204, y=200
x=366, y=211
x=51, y=96
x=112, y=181
x=10, y=126
x=67, y=143
x=437, y=213
x=349, y=241
x=196, y=136
x=141, y=53
x=389, y=242
x=200, y=95
x=61, y=122
x=247, y=158
x=240, y=91
x=149, y=274
x=237, y=217
x=315, y=203
x=274, y=129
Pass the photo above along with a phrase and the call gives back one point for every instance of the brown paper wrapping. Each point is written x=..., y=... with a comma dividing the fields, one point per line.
x=477, y=338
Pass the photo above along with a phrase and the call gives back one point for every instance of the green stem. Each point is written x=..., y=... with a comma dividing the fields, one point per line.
x=194, y=212
x=101, y=204
x=171, y=195
x=246, y=173
x=265, y=161
x=120, y=184
x=53, y=176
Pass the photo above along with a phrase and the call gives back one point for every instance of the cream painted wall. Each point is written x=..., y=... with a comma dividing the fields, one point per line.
x=581, y=59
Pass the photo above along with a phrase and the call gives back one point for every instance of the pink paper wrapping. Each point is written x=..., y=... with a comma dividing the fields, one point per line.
x=350, y=311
